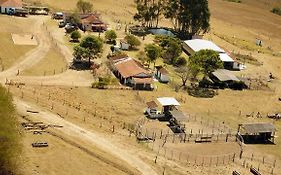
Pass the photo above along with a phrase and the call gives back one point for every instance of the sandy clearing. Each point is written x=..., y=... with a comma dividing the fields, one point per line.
x=73, y=130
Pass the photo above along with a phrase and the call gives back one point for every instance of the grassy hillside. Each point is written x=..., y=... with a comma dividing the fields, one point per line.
x=9, y=137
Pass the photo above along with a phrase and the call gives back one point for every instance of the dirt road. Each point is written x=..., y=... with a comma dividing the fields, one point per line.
x=73, y=130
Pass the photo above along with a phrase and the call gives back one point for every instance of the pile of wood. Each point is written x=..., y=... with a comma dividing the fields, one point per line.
x=38, y=127
x=40, y=144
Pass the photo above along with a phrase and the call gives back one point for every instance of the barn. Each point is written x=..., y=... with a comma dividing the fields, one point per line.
x=190, y=47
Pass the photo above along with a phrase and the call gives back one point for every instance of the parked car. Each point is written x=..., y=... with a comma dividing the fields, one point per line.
x=70, y=28
x=61, y=24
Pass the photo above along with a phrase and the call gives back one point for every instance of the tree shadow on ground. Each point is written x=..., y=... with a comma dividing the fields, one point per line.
x=80, y=65
x=200, y=92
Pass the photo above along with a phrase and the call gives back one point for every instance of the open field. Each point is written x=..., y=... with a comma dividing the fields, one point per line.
x=53, y=63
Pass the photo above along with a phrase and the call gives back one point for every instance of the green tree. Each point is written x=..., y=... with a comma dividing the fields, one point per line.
x=84, y=6
x=75, y=35
x=74, y=19
x=206, y=61
x=189, y=17
x=89, y=47
x=142, y=57
x=149, y=12
x=172, y=49
x=110, y=35
x=132, y=41
x=152, y=52
x=184, y=73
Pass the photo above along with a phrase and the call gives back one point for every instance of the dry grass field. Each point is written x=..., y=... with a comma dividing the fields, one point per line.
x=53, y=63
x=10, y=25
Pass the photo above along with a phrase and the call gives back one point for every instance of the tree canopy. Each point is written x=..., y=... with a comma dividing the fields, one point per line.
x=205, y=61
x=132, y=40
x=84, y=6
x=74, y=19
x=152, y=52
x=89, y=47
x=189, y=17
x=110, y=35
x=149, y=12
x=172, y=48
x=75, y=35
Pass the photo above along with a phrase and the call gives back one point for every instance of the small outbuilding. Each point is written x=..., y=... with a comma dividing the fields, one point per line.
x=223, y=75
x=162, y=74
x=257, y=132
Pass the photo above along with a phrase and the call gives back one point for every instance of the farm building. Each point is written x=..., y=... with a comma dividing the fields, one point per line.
x=223, y=75
x=257, y=132
x=226, y=79
x=9, y=6
x=195, y=45
x=162, y=74
x=131, y=73
x=89, y=22
x=92, y=22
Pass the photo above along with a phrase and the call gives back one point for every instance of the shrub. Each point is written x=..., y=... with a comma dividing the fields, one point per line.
x=197, y=91
x=180, y=61
x=132, y=40
x=75, y=35
x=110, y=35
x=276, y=10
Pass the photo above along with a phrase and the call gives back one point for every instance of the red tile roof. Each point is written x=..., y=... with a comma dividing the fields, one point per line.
x=143, y=80
x=129, y=68
x=11, y=3
x=92, y=19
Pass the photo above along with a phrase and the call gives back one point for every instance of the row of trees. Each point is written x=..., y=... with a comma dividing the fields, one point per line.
x=188, y=17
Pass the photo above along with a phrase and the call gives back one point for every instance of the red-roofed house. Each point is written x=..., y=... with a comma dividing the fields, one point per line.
x=131, y=73
x=93, y=22
x=8, y=5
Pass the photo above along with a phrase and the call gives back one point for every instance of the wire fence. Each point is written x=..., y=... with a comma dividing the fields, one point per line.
x=158, y=140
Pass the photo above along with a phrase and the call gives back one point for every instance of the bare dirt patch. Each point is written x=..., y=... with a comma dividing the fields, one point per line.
x=24, y=39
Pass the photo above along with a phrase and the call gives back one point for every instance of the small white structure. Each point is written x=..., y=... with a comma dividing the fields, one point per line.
x=162, y=74
x=124, y=45
x=168, y=101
